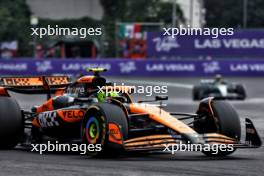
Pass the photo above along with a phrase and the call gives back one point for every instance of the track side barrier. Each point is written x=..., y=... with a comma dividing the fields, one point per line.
x=127, y=67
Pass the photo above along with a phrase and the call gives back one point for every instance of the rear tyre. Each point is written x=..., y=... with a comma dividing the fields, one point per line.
x=11, y=123
x=225, y=121
x=94, y=128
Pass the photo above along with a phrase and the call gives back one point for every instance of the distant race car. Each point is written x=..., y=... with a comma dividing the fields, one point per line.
x=219, y=89
x=83, y=112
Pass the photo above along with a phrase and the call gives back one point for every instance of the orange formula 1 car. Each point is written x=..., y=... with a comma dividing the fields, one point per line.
x=90, y=112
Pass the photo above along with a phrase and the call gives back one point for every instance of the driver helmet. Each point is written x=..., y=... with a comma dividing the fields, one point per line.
x=101, y=96
x=218, y=78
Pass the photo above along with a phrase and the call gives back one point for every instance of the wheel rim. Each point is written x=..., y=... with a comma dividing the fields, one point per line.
x=92, y=130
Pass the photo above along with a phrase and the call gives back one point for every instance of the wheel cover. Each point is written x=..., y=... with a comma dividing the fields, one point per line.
x=92, y=130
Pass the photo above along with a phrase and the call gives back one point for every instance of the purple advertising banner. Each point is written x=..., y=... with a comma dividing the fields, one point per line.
x=244, y=43
x=124, y=67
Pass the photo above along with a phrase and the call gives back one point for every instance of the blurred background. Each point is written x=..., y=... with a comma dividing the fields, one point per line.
x=135, y=52
x=132, y=42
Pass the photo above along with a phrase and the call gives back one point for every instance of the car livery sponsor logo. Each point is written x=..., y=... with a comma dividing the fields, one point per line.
x=16, y=81
x=115, y=135
x=48, y=119
x=75, y=90
x=71, y=115
x=23, y=81
x=57, y=80
x=250, y=131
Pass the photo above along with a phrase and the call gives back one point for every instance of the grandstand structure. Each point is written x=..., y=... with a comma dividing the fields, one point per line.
x=66, y=9
x=193, y=11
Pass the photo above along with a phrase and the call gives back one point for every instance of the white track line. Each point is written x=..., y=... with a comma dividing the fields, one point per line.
x=190, y=86
x=178, y=85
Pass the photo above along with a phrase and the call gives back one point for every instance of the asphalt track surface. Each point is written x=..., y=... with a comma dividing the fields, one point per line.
x=242, y=162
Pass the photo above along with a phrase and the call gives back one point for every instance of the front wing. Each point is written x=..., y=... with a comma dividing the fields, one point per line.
x=158, y=142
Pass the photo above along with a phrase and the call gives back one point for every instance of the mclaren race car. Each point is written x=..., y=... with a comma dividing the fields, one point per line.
x=90, y=110
x=219, y=89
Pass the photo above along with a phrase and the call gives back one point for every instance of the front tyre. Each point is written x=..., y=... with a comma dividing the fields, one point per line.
x=223, y=120
x=94, y=128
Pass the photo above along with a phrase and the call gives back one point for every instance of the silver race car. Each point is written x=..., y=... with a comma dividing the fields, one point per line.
x=219, y=89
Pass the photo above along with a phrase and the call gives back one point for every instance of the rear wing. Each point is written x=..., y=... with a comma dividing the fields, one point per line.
x=38, y=81
x=34, y=84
